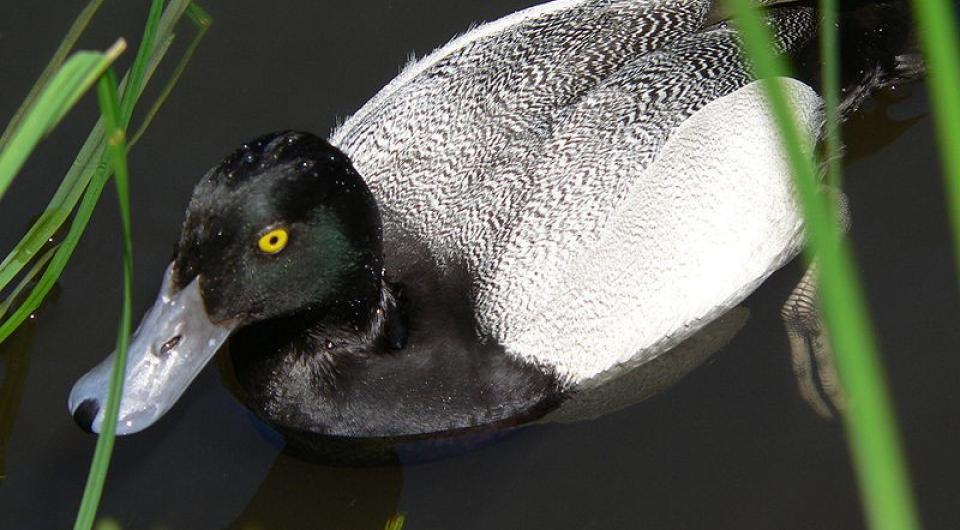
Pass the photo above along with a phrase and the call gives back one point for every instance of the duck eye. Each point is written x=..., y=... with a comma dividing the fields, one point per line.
x=273, y=241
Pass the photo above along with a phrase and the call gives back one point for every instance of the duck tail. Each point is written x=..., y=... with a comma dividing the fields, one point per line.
x=877, y=41
x=878, y=48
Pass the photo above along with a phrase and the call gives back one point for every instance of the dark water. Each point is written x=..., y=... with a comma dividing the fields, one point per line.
x=731, y=447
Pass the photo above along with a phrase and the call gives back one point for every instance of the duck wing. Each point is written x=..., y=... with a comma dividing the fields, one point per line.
x=435, y=140
x=669, y=201
x=604, y=171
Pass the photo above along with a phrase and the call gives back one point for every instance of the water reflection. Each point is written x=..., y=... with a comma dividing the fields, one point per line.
x=883, y=118
x=297, y=494
x=730, y=446
x=14, y=354
x=15, y=358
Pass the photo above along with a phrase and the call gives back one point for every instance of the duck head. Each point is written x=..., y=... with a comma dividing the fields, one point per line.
x=283, y=226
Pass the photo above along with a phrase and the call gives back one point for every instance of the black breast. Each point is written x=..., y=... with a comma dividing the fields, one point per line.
x=445, y=389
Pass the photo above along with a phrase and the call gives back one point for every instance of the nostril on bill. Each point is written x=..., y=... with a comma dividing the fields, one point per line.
x=167, y=346
x=85, y=414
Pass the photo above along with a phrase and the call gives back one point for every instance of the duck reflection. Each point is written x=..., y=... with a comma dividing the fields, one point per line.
x=297, y=494
x=14, y=355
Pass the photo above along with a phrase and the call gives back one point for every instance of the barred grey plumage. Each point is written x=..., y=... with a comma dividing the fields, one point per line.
x=515, y=151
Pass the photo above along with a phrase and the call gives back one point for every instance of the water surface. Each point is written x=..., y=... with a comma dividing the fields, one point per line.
x=730, y=447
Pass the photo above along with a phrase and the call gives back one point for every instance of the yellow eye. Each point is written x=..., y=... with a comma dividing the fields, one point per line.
x=273, y=241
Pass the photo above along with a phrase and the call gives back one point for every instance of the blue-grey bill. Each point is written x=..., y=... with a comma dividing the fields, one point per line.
x=174, y=341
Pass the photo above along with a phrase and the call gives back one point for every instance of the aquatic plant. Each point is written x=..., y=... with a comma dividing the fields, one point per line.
x=395, y=522
x=936, y=20
x=868, y=419
x=66, y=78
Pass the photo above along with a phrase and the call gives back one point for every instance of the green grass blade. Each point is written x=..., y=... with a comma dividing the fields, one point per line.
x=58, y=209
x=869, y=421
x=941, y=48
x=79, y=24
x=171, y=15
x=59, y=261
x=91, y=154
x=80, y=173
x=830, y=74
x=203, y=21
x=395, y=522
x=27, y=278
x=107, y=524
x=88, y=176
x=90, y=158
x=87, y=81
x=199, y=16
x=116, y=141
x=64, y=89
x=135, y=81
x=88, y=161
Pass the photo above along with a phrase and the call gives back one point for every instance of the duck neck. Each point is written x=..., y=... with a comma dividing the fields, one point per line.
x=341, y=324
x=352, y=326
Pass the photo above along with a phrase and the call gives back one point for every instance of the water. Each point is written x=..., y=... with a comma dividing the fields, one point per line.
x=730, y=447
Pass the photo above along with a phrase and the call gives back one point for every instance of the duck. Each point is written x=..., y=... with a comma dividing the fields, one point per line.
x=547, y=205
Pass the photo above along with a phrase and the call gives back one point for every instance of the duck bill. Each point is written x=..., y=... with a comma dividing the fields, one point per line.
x=173, y=343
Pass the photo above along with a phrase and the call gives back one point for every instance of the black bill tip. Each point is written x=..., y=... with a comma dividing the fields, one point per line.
x=85, y=414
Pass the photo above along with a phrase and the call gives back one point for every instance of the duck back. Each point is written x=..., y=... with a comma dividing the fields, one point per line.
x=604, y=173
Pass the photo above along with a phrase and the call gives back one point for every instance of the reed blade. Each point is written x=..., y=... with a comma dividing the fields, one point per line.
x=110, y=108
x=869, y=420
